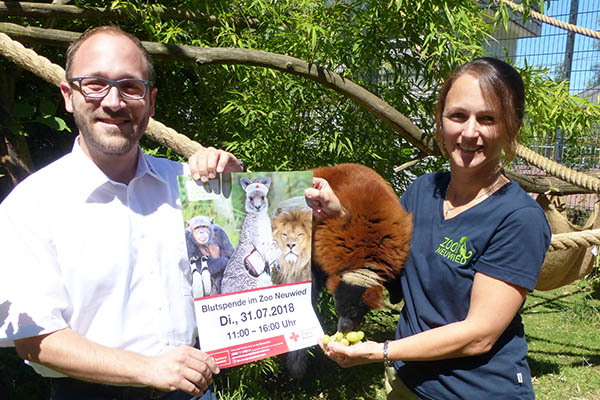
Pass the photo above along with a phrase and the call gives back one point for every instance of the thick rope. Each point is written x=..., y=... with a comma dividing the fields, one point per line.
x=562, y=241
x=552, y=21
x=53, y=73
x=560, y=171
x=553, y=168
x=181, y=144
x=30, y=60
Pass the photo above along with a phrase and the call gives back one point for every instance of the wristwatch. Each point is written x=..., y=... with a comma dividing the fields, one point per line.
x=386, y=361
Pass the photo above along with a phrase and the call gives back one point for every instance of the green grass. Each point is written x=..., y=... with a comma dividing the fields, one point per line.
x=563, y=332
x=562, y=328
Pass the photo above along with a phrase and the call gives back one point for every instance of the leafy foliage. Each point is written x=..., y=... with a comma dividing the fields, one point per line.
x=551, y=110
x=43, y=111
x=400, y=50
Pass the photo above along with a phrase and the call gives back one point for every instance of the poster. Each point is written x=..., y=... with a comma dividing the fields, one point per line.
x=249, y=251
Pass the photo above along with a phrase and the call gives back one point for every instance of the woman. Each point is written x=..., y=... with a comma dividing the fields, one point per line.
x=477, y=248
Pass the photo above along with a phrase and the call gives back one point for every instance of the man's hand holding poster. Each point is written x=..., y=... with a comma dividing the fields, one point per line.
x=249, y=252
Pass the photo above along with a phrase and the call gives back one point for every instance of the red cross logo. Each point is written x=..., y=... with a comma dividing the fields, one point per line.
x=294, y=336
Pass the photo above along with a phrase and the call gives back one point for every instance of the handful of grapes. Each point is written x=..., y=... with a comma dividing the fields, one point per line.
x=347, y=339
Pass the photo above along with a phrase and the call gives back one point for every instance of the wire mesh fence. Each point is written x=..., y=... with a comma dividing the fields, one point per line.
x=564, y=55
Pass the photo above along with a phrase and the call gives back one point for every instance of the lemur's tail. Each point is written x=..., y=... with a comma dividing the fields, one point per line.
x=296, y=363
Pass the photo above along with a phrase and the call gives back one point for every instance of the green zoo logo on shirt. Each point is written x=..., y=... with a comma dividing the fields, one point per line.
x=455, y=251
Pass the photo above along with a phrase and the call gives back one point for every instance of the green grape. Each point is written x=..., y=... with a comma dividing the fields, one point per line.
x=338, y=336
x=352, y=337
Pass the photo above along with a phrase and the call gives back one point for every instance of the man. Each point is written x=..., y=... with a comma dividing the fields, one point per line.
x=96, y=285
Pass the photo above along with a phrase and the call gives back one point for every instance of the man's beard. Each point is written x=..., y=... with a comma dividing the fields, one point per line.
x=113, y=142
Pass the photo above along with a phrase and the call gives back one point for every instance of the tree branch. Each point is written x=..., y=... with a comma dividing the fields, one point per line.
x=185, y=146
x=27, y=9
x=550, y=184
x=209, y=55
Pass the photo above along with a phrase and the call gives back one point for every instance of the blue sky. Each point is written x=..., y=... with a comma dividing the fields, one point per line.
x=548, y=49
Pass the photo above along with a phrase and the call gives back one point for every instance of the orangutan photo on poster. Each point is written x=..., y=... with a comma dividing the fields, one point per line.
x=249, y=248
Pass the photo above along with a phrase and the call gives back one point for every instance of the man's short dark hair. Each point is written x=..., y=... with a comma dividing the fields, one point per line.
x=112, y=30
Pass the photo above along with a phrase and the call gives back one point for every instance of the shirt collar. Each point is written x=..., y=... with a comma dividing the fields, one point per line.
x=88, y=176
x=146, y=166
x=91, y=177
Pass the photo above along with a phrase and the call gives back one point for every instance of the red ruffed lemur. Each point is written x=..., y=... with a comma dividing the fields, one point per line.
x=355, y=256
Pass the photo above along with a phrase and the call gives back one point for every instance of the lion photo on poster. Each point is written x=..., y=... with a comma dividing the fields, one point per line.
x=248, y=245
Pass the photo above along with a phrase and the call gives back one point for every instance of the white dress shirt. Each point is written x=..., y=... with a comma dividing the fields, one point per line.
x=105, y=259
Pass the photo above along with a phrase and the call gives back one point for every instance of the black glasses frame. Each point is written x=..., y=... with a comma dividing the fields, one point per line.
x=111, y=83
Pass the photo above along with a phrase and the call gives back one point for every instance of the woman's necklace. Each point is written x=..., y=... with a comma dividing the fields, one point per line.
x=487, y=192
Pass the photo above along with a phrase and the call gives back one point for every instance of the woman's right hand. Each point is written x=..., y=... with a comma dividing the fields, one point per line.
x=323, y=200
x=349, y=356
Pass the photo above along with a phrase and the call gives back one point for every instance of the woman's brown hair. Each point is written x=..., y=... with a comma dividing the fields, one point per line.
x=502, y=88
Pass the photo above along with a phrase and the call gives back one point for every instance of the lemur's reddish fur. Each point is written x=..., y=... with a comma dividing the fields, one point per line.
x=374, y=234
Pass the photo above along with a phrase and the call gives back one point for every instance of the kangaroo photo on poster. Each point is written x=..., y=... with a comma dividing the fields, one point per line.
x=249, y=248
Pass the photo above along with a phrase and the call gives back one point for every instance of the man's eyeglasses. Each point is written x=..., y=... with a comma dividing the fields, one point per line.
x=96, y=87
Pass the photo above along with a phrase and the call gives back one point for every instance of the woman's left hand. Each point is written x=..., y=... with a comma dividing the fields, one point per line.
x=323, y=200
x=356, y=354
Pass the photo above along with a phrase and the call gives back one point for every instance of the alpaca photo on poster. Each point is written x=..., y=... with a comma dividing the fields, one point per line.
x=250, y=265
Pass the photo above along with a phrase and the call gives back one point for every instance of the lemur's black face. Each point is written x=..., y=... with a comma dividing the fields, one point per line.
x=349, y=306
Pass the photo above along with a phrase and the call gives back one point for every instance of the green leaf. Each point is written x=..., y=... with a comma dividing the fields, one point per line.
x=48, y=121
x=47, y=107
x=62, y=125
x=23, y=110
x=53, y=122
